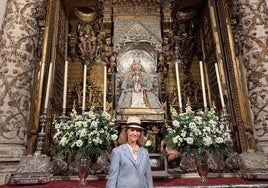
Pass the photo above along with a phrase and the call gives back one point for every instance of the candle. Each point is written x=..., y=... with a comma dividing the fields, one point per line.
x=65, y=85
x=48, y=85
x=219, y=85
x=178, y=84
x=84, y=88
x=104, y=88
x=203, y=85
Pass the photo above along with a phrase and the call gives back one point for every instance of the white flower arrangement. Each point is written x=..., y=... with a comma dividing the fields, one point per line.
x=198, y=133
x=148, y=143
x=85, y=134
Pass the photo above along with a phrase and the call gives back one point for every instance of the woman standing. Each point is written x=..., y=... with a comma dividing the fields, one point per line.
x=130, y=163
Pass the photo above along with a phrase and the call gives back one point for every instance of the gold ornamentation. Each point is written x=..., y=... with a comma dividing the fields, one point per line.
x=185, y=14
x=86, y=14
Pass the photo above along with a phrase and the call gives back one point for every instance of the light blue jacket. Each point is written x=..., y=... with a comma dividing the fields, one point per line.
x=125, y=173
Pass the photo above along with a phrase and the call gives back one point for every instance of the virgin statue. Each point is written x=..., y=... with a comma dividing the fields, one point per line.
x=137, y=89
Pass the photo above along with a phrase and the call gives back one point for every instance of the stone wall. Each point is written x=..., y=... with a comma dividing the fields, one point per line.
x=17, y=56
x=254, y=37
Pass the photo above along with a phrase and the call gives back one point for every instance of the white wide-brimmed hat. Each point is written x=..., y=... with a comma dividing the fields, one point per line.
x=134, y=122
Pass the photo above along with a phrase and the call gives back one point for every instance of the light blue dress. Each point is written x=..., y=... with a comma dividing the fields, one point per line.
x=125, y=172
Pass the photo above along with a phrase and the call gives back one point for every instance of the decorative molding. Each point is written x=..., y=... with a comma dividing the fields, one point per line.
x=18, y=44
x=233, y=92
x=136, y=31
x=86, y=14
x=3, y=4
x=252, y=32
x=145, y=8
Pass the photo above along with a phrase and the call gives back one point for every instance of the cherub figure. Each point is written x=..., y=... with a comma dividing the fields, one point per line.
x=87, y=42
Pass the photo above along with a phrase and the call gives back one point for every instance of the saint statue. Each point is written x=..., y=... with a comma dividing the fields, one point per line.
x=137, y=89
x=108, y=54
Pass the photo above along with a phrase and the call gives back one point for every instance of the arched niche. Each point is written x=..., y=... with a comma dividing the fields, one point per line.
x=148, y=56
x=125, y=58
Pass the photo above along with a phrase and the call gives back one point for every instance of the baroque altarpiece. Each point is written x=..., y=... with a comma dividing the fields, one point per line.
x=102, y=38
x=107, y=36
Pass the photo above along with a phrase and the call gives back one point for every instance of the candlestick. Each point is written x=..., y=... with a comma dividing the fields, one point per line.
x=104, y=88
x=178, y=84
x=41, y=134
x=219, y=85
x=84, y=88
x=203, y=85
x=65, y=85
x=48, y=85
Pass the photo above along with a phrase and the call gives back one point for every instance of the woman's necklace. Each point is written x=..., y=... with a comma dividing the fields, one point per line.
x=134, y=151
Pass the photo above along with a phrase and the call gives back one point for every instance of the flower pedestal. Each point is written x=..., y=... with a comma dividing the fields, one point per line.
x=83, y=169
x=202, y=169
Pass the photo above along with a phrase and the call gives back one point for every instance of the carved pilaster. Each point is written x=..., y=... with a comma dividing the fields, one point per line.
x=252, y=32
x=18, y=44
x=43, y=49
x=107, y=16
x=167, y=18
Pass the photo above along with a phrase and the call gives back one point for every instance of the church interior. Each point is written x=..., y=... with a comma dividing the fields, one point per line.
x=58, y=56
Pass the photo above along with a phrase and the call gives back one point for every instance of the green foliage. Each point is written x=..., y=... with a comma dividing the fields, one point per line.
x=198, y=133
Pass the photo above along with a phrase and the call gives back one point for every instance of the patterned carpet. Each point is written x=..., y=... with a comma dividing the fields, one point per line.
x=218, y=182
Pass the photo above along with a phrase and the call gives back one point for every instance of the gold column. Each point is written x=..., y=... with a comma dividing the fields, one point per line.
x=41, y=70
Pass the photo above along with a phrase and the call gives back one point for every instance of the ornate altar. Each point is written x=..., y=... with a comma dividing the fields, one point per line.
x=147, y=37
x=107, y=34
x=142, y=39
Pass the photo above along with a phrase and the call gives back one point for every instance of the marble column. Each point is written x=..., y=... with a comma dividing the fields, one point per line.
x=253, y=34
x=19, y=32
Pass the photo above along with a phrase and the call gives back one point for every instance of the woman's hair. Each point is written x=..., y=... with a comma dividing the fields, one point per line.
x=123, y=137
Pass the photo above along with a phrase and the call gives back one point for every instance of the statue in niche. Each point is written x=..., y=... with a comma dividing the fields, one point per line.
x=87, y=44
x=137, y=89
x=108, y=54
x=166, y=54
x=184, y=42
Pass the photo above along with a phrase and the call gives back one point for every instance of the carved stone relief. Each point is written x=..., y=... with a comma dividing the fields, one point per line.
x=252, y=31
x=17, y=54
x=144, y=8
x=135, y=30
